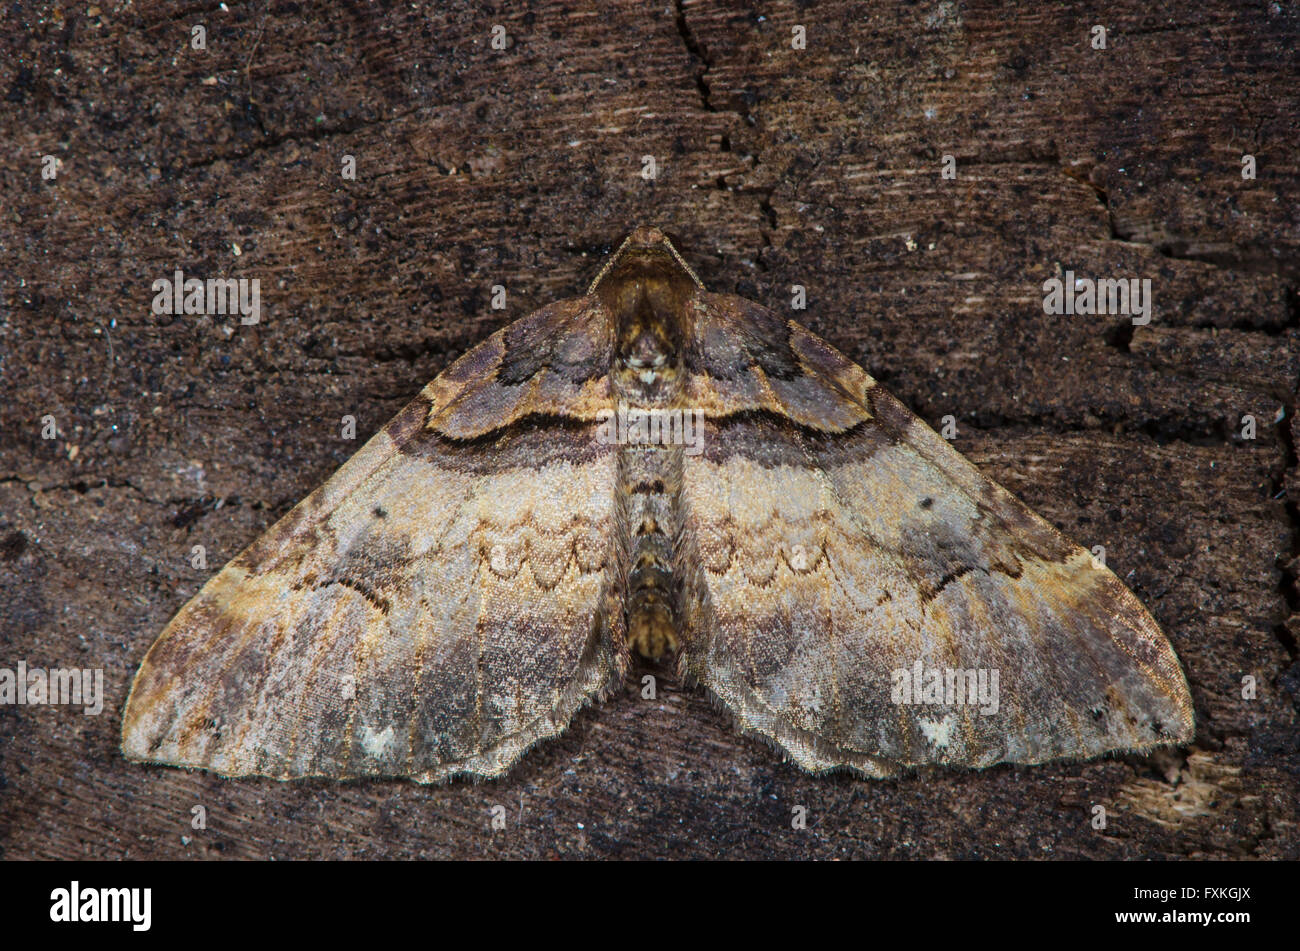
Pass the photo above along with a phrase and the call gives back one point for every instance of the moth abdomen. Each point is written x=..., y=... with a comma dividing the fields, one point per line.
x=650, y=482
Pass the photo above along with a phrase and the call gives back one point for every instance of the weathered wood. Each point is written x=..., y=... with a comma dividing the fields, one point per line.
x=519, y=167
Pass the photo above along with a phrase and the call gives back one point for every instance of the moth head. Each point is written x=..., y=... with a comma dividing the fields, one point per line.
x=646, y=251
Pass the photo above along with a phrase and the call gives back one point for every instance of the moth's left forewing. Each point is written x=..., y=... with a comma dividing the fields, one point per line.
x=445, y=600
x=551, y=364
x=834, y=542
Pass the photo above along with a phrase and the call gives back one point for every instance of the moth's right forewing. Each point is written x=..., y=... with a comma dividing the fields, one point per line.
x=828, y=557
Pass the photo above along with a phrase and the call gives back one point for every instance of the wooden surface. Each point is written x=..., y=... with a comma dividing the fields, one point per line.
x=776, y=166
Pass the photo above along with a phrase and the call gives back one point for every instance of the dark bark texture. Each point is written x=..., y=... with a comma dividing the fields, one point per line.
x=776, y=166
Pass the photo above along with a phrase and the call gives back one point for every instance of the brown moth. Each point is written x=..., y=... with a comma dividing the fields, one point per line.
x=829, y=568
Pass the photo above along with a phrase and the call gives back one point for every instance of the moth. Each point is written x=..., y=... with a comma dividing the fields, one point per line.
x=824, y=564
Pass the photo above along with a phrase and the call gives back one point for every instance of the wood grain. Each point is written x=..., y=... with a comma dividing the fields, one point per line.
x=519, y=167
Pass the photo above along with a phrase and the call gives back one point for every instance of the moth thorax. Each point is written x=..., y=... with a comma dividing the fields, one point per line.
x=646, y=366
x=648, y=297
